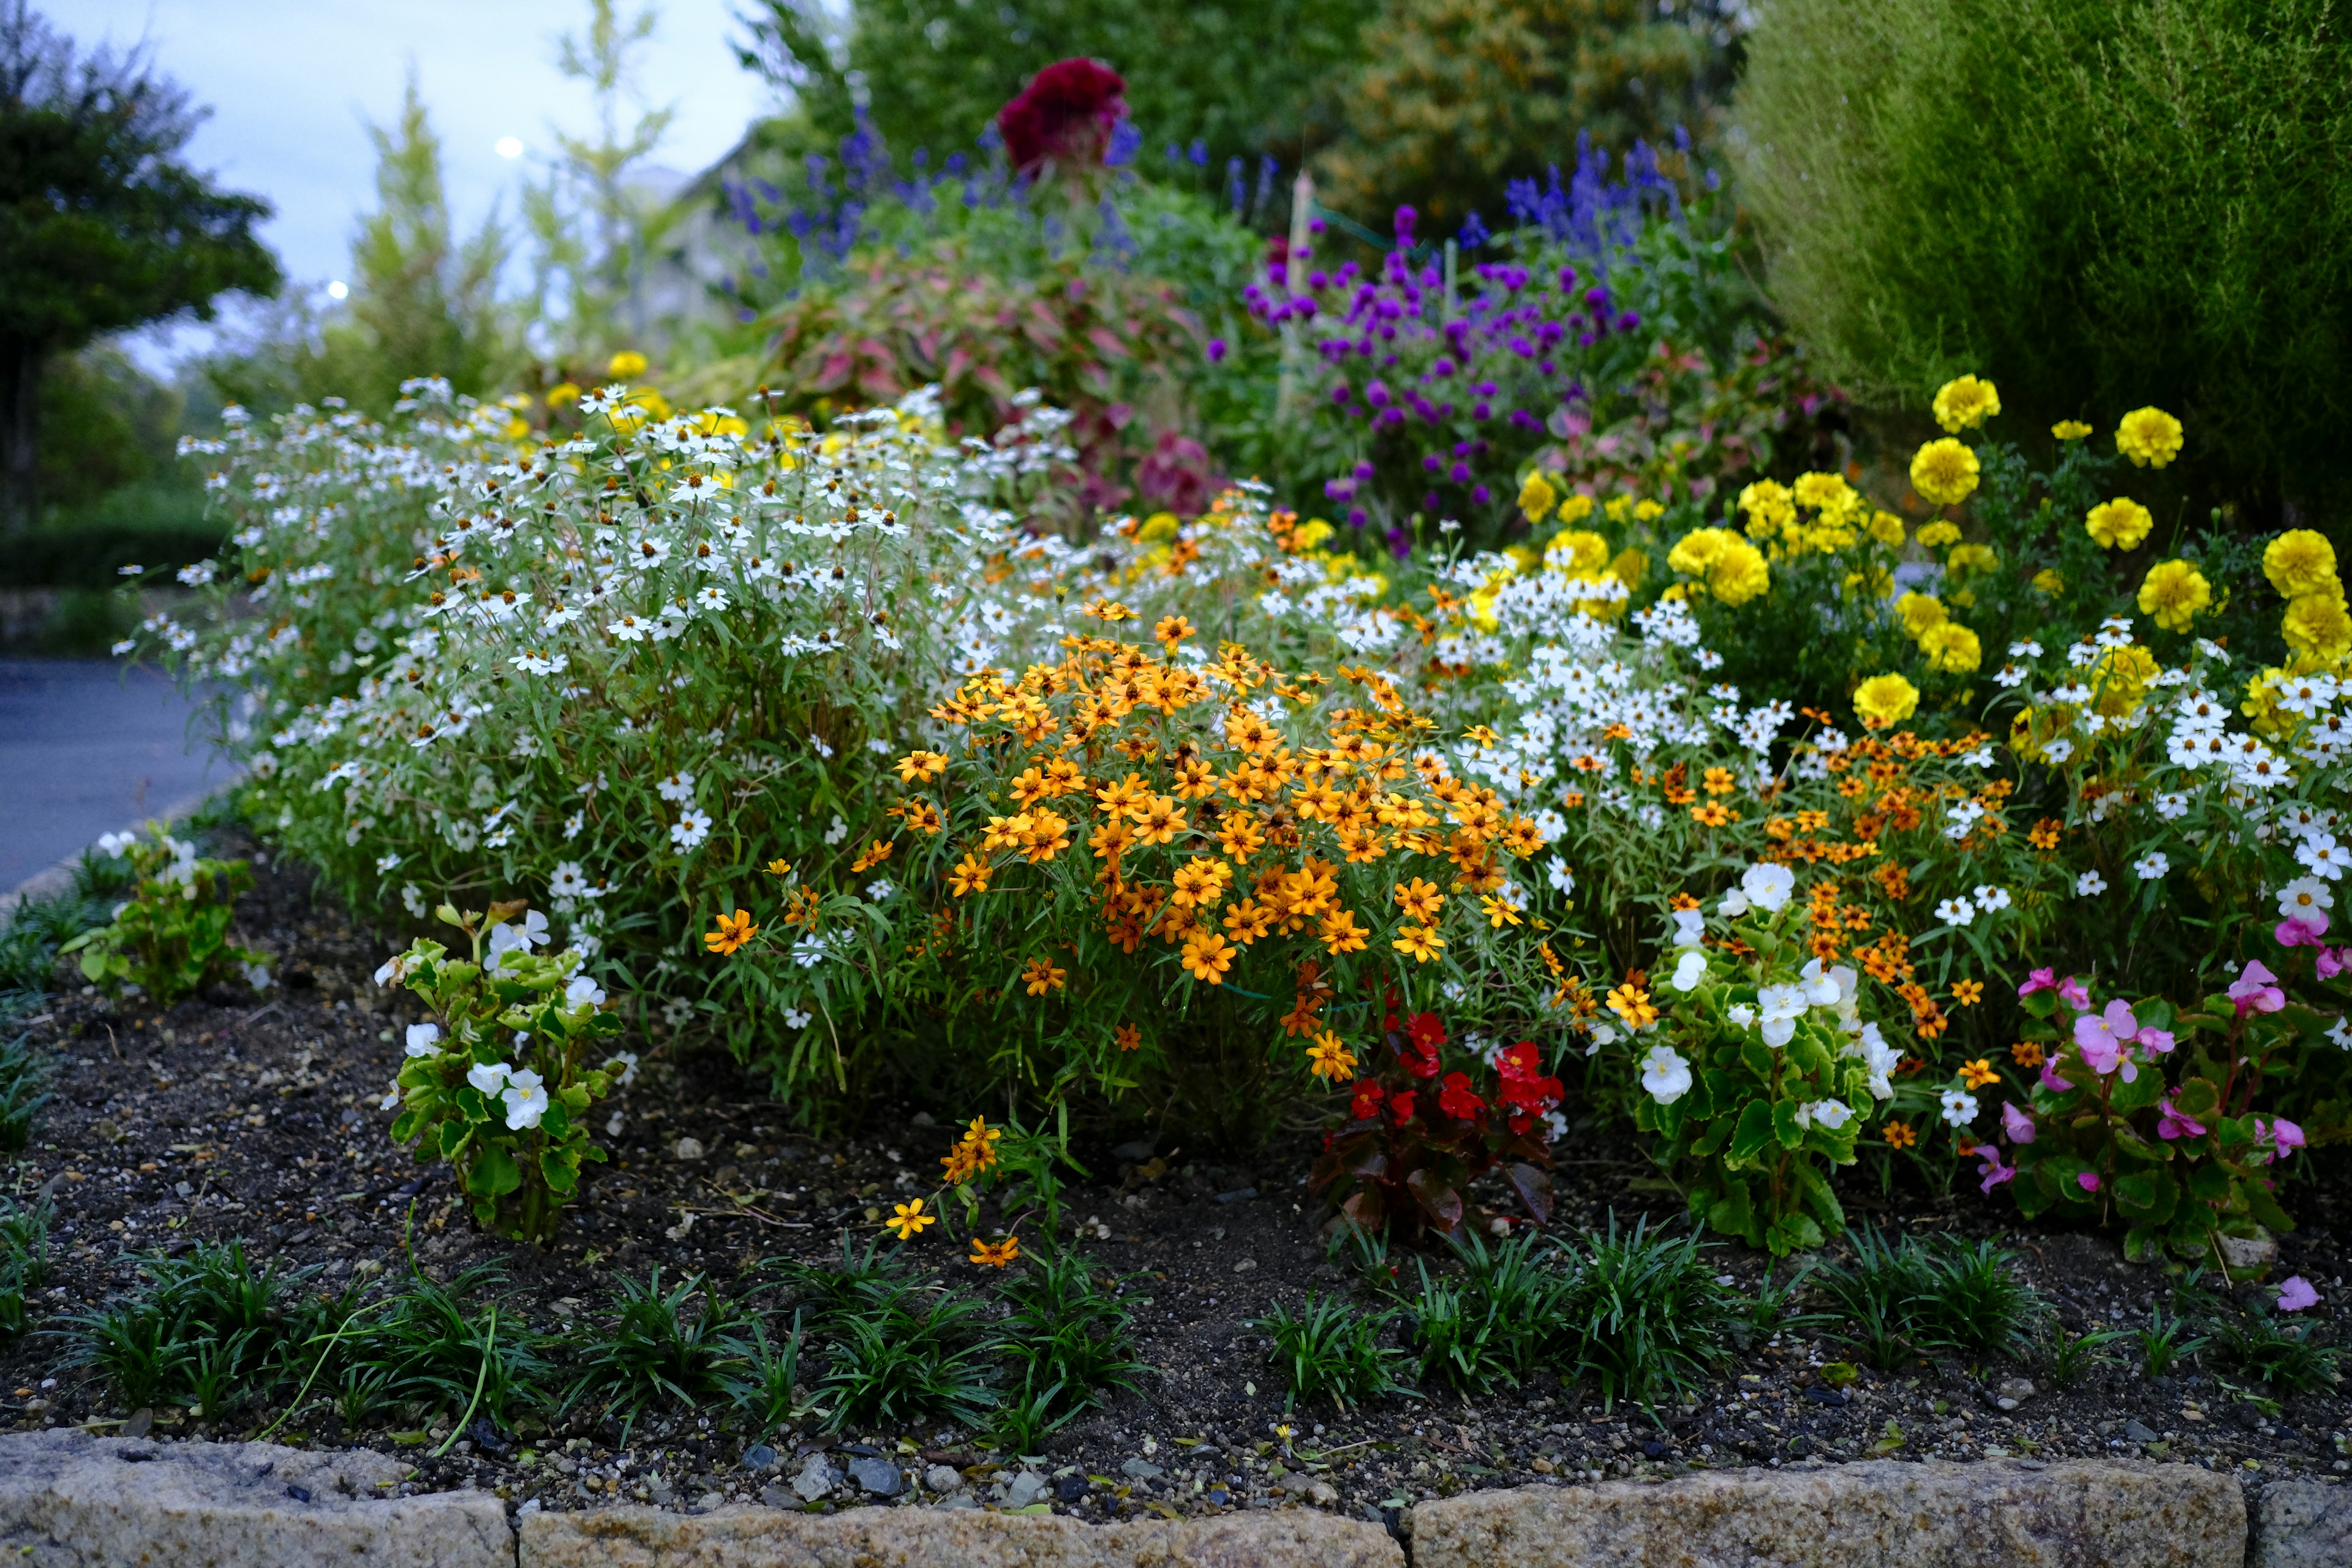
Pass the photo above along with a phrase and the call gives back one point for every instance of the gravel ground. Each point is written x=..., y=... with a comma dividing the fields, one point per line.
x=234, y=1117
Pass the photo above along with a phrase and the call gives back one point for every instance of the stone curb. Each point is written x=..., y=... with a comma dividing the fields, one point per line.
x=71, y=1501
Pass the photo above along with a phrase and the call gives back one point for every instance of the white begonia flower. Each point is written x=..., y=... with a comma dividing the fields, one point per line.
x=526, y=1101
x=2089, y=885
x=1665, y=1074
x=628, y=1073
x=1768, y=886
x=1741, y=1013
x=1733, y=904
x=1690, y=927
x=1829, y=1115
x=423, y=1040
x=1821, y=987
x=584, y=993
x=256, y=975
x=1689, y=970
x=412, y=898
x=507, y=937
x=689, y=830
x=1959, y=1107
x=391, y=1100
x=116, y=844
x=488, y=1076
x=2304, y=896
x=1956, y=911
x=1779, y=1007
x=1879, y=1060
x=395, y=970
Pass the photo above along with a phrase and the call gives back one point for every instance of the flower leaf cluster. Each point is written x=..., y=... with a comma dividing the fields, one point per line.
x=170, y=939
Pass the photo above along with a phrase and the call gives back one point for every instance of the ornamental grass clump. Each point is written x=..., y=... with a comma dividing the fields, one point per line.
x=500, y=1087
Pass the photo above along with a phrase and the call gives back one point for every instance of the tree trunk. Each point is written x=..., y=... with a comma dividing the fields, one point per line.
x=20, y=433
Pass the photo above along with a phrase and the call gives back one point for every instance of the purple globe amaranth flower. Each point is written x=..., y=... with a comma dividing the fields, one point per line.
x=1400, y=542
x=1364, y=470
x=1460, y=474
x=1216, y=350
x=1377, y=394
x=1482, y=495
x=1433, y=462
x=1628, y=321
x=1358, y=517
x=1405, y=217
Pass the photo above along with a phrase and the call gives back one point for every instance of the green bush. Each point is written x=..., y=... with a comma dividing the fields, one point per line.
x=2098, y=205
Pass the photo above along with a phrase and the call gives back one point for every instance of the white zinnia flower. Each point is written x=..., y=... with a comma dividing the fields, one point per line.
x=2089, y=884
x=677, y=787
x=2151, y=867
x=569, y=881
x=1956, y=911
x=689, y=830
x=2303, y=896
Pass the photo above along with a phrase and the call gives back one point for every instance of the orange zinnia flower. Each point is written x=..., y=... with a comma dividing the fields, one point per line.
x=1207, y=956
x=732, y=933
x=995, y=1255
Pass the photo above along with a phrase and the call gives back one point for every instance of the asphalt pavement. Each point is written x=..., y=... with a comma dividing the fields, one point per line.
x=90, y=746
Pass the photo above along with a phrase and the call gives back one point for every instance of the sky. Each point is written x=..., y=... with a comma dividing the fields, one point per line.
x=293, y=87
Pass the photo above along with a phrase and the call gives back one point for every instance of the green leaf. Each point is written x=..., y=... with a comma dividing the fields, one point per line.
x=1754, y=1132
x=494, y=1173
x=1793, y=1233
x=561, y=1174
x=1785, y=1125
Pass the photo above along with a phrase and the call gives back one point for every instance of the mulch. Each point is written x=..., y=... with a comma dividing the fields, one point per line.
x=237, y=1117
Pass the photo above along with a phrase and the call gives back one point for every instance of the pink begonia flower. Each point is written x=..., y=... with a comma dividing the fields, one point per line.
x=2050, y=1079
x=2175, y=1122
x=2016, y=1123
x=2088, y=1182
x=2302, y=928
x=2040, y=980
x=2155, y=1041
x=2333, y=961
x=2104, y=1039
x=2296, y=1293
x=2071, y=992
x=2284, y=1135
x=2257, y=988
x=1993, y=1172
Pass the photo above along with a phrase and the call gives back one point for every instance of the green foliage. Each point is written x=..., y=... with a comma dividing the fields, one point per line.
x=1643, y=1313
x=1329, y=1350
x=453, y=1347
x=24, y=1089
x=170, y=939
x=767, y=1387
x=2159, y=231
x=1072, y=1341
x=24, y=1260
x=1241, y=79
x=1500, y=1320
x=102, y=225
x=660, y=1351
x=2291, y=1360
x=1450, y=99
x=1899, y=1298
x=107, y=425
x=205, y=1331
x=905, y=1354
x=500, y=1088
x=2160, y=1345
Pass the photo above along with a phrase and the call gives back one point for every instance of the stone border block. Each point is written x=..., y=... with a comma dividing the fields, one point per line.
x=1877, y=1514
x=742, y=1537
x=2302, y=1524
x=71, y=1501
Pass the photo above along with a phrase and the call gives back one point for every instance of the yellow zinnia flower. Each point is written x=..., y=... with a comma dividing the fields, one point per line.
x=2174, y=591
x=2299, y=561
x=2150, y=436
x=2120, y=523
x=1965, y=404
x=1944, y=472
x=1884, y=700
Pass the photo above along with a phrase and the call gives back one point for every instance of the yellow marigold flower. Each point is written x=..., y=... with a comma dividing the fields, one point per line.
x=1944, y=472
x=1739, y=575
x=874, y=856
x=2150, y=436
x=1537, y=497
x=2174, y=591
x=1576, y=508
x=995, y=1255
x=909, y=1220
x=1331, y=1059
x=982, y=1139
x=2120, y=523
x=624, y=364
x=1884, y=700
x=1918, y=612
x=2299, y=561
x=1632, y=1003
x=1201, y=883
x=1418, y=942
x=2317, y=623
x=2121, y=677
x=732, y=933
x=1875, y=584
x=1578, y=551
x=1207, y=956
x=1769, y=507
x=2070, y=429
x=1886, y=528
x=1965, y=404
x=1951, y=647
x=1979, y=1073
x=1041, y=977
x=1938, y=533
x=1966, y=558
x=2049, y=582
x=1697, y=551
x=1821, y=491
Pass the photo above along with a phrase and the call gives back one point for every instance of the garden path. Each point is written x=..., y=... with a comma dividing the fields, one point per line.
x=90, y=746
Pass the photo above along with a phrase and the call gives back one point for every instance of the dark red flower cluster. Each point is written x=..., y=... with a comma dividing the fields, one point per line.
x=1526, y=1092
x=1066, y=115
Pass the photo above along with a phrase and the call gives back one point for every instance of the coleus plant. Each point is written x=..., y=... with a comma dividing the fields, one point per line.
x=500, y=1087
x=1418, y=1135
x=2169, y=1119
x=1753, y=1090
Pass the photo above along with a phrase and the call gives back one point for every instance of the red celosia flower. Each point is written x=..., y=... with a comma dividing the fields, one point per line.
x=1066, y=114
x=1456, y=1099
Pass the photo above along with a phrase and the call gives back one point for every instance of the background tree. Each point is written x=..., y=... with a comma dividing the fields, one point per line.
x=103, y=227
x=1454, y=98
x=1241, y=79
x=2100, y=206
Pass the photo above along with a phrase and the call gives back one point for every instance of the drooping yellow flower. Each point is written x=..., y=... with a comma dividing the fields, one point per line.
x=1537, y=497
x=1330, y=1057
x=1938, y=533
x=1884, y=700
x=2316, y=625
x=733, y=934
x=1965, y=404
x=1944, y=472
x=2120, y=523
x=2299, y=561
x=2174, y=591
x=1951, y=647
x=1918, y=612
x=2070, y=429
x=2150, y=436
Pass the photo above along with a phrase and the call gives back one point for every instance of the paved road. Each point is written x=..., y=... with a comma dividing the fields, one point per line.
x=87, y=746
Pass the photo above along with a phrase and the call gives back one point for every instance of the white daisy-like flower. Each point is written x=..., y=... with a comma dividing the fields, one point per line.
x=2304, y=896
x=817, y=742
x=690, y=829
x=574, y=824
x=678, y=787
x=710, y=600
x=631, y=628
x=386, y=862
x=676, y=1011
x=2171, y=804
x=1557, y=873
x=2323, y=855
x=2057, y=751
x=879, y=889
x=568, y=882
x=796, y=1019
x=809, y=951
x=837, y=832
x=2151, y=867
x=648, y=552
x=2025, y=650
x=1989, y=897
x=1956, y=911
x=2340, y=1032
x=2089, y=884
x=1959, y=1107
